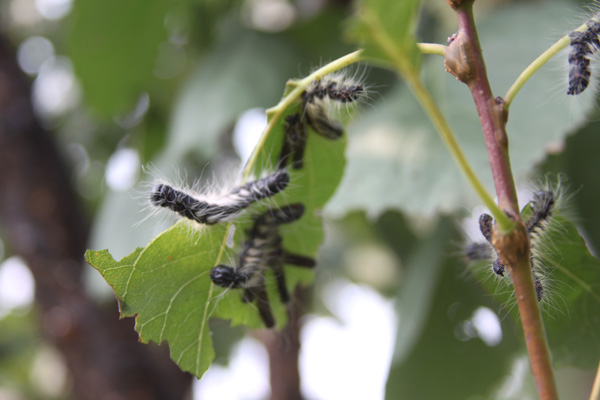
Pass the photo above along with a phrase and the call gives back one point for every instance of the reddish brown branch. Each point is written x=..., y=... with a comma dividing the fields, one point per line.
x=43, y=223
x=464, y=60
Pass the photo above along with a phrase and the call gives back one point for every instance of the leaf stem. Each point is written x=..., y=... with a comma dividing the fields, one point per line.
x=533, y=68
x=432, y=48
x=539, y=63
x=410, y=74
x=274, y=113
x=448, y=137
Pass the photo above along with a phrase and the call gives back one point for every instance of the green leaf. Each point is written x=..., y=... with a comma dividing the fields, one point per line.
x=435, y=303
x=417, y=289
x=397, y=156
x=386, y=20
x=113, y=45
x=571, y=296
x=167, y=286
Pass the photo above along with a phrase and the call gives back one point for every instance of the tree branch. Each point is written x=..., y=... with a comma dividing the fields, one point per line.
x=464, y=60
x=283, y=349
x=43, y=223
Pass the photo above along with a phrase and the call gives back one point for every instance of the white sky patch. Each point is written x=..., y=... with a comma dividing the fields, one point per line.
x=48, y=373
x=53, y=9
x=487, y=325
x=348, y=357
x=33, y=52
x=247, y=376
x=269, y=15
x=122, y=169
x=248, y=130
x=24, y=13
x=16, y=285
x=483, y=324
x=55, y=90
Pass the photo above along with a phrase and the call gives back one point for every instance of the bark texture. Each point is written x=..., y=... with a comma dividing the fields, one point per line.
x=42, y=222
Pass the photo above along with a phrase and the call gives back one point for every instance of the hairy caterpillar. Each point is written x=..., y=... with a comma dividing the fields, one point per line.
x=222, y=208
x=322, y=95
x=318, y=100
x=485, y=226
x=542, y=207
x=263, y=249
x=583, y=44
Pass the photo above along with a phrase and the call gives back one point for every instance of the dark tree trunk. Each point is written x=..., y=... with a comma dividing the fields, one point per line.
x=43, y=223
x=283, y=349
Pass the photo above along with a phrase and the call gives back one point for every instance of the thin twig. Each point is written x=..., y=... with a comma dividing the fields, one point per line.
x=432, y=48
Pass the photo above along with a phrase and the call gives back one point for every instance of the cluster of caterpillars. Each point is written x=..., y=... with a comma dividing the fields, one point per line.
x=583, y=45
x=317, y=102
x=263, y=248
x=542, y=207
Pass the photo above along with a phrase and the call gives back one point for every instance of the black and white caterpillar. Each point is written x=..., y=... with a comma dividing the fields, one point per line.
x=583, y=45
x=542, y=207
x=318, y=100
x=332, y=90
x=211, y=212
x=263, y=250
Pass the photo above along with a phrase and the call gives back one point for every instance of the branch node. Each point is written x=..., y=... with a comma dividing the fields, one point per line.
x=460, y=58
x=512, y=246
x=458, y=4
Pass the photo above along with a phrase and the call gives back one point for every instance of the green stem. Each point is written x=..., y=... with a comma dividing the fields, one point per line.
x=432, y=48
x=410, y=74
x=449, y=139
x=539, y=63
x=299, y=87
x=533, y=68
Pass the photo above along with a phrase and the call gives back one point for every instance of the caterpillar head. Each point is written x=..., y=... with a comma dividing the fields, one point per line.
x=226, y=276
